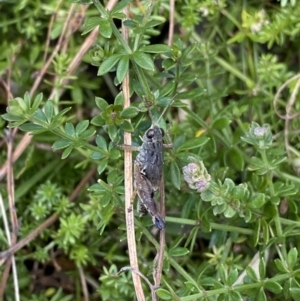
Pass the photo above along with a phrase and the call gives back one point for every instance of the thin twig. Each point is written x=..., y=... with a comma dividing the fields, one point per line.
x=297, y=76
x=50, y=29
x=83, y=284
x=5, y=273
x=129, y=186
x=58, y=46
x=287, y=120
x=287, y=117
x=12, y=239
x=171, y=22
x=159, y=258
x=137, y=272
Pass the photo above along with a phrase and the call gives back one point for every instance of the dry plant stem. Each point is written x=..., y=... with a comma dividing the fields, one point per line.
x=171, y=23
x=49, y=30
x=12, y=239
x=129, y=188
x=287, y=120
x=137, y=272
x=10, y=259
x=91, y=38
x=83, y=284
x=297, y=76
x=159, y=258
x=287, y=117
x=54, y=53
x=47, y=223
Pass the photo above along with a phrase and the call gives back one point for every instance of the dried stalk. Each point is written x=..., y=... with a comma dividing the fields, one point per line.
x=129, y=187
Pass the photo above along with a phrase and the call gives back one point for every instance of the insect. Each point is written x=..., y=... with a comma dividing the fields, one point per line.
x=148, y=168
x=145, y=192
x=150, y=156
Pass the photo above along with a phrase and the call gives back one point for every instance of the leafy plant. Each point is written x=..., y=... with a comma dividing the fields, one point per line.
x=229, y=75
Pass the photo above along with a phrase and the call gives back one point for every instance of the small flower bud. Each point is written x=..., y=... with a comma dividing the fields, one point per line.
x=196, y=175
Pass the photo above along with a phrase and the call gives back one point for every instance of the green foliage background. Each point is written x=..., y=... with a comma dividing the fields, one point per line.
x=229, y=59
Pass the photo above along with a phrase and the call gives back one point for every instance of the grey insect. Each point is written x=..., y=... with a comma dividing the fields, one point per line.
x=148, y=168
x=145, y=192
x=150, y=157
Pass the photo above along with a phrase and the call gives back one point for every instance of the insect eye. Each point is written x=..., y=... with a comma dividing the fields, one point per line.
x=162, y=132
x=150, y=134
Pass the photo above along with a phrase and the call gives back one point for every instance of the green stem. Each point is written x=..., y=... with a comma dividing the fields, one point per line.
x=272, y=194
x=237, y=288
x=101, y=9
x=215, y=226
x=142, y=78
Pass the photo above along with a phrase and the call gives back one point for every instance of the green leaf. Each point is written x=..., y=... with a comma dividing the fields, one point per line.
x=11, y=117
x=167, y=88
x=104, y=28
x=127, y=126
x=101, y=166
x=235, y=296
x=175, y=175
x=122, y=68
x=222, y=273
x=32, y=127
x=156, y=48
x=26, y=102
x=98, y=121
x=39, y=114
x=81, y=126
x=114, y=154
x=205, y=225
x=221, y=123
x=257, y=201
x=265, y=230
x=37, y=101
x=261, y=296
x=191, y=94
x=273, y=287
x=58, y=117
x=229, y=212
x=292, y=258
x=256, y=235
x=101, y=142
x=119, y=99
x=108, y=64
x=280, y=266
x=120, y=16
x=192, y=143
x=119, y=6
x=262, y=268
x=143, y=60
x=232, y=277
x=67, y=152
x=130, y=112
x=49, y=110
x=101, y=103
x=70, y=130
x=97, y=156
x=179, y=251
x=164, y=294
x=295, y=293
x=90, y=23
x=235, y=159
x=251, y=274
x=130, y=23
x=62, y=143
x=87, y=134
